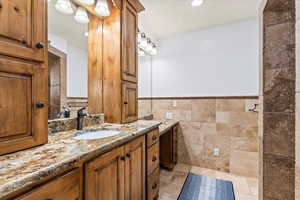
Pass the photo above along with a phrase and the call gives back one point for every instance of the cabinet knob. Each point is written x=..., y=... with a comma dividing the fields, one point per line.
x=40, y=45
x=154, y=158
x=40, y=105
x=154, y=186
x=154, y=138
x=128, y=155
x=122, y=158
x=125, y=102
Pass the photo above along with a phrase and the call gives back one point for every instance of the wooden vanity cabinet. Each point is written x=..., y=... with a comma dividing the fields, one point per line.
x=23, y=90
x=22, y=29
x=135, y=170
x=113, y=70
x=118, y=174
x=105, y=176
x=23, y=74
x=153, y=157
x=66, y=187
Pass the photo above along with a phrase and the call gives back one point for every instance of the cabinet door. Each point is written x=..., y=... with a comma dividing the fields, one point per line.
x=130, y=58
x=130, y=103
x=67, y=187
x=23, y=28
x=135, y=170
x=105, y=177
x=23, y=105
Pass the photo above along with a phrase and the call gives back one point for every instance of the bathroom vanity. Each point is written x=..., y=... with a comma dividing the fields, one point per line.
x=126, y=165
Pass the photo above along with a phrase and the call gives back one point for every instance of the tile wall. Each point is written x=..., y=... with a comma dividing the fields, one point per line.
x=277, y=169
x=209, y=123
x=297, y=172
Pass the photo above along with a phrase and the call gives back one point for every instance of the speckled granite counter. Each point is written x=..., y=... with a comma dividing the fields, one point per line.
x=24, y=168
x=167, y=125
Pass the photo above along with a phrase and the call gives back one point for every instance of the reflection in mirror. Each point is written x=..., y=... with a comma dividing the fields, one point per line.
x=68, y=64
x=145, y=86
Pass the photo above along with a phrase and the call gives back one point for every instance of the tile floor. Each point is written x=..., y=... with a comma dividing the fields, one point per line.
x=171, y=182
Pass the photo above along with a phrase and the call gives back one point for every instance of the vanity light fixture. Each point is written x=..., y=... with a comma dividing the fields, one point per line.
x=149, y=45
x=143, y=41
x=102, y=8
x=64, y=6
x=141, y=53
x=196, y=3
x=86, y=34
x=145, y=45
x=87, y=2
x=153, y=51
x=81, y=16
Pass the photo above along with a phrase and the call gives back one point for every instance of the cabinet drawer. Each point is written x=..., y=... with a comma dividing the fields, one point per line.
x=61, y=188
x=153, y=158
x=153, y=185
x=152, y=137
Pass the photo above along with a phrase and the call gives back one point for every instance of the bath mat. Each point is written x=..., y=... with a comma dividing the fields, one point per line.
x=198, y=187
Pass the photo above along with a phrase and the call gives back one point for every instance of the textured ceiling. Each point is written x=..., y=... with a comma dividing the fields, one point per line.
x=163, y=18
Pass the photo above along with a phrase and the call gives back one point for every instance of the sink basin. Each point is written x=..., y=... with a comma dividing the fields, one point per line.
x=96, y=134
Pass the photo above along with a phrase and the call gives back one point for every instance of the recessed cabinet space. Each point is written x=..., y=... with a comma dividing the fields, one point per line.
x=65, y=187
x=22, y=30
x=118, y=174
x=23, y=104
x=168, y=150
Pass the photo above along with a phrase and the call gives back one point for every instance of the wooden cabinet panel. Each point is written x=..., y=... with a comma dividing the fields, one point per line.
x=175, y=144
x=130, y=103
x=65, y=187
x=105, y=177
x=135, y=170
x=23, y=121
x=153, y=185
x=23, y=27
x=153, y=158
x=129, y=57
x=152, y=137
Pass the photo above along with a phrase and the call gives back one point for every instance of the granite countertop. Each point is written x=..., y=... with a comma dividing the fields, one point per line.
x=167, y=125
x=21, y=169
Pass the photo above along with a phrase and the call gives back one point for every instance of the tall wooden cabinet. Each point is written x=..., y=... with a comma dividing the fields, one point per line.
x=113, y=69
x=23, y=74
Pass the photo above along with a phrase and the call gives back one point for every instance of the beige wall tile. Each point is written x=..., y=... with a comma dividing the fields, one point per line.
x=206, y=124
x=237, y=118
x=204, y=110
x=237, y=130
x=230, y=105
x=145, y=108
x=244, y=144
x=244, y=163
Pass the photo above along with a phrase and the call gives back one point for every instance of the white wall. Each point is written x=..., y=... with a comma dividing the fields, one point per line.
x=145, y=83
x=220, y=61
x=77, y=66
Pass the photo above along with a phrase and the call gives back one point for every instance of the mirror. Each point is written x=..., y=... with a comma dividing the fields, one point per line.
x=145, y=86
x=68, y=64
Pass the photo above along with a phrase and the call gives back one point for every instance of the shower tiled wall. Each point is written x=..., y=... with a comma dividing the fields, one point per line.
x=209, y=123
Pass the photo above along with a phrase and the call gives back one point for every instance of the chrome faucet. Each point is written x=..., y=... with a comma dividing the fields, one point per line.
x=80, y=116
